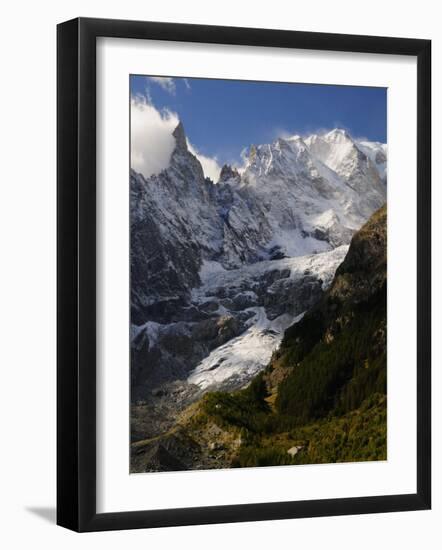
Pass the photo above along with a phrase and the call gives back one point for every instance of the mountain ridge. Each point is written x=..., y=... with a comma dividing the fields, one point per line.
x=286, y=203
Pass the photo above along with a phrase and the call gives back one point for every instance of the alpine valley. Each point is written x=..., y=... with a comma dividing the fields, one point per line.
x=258, y=307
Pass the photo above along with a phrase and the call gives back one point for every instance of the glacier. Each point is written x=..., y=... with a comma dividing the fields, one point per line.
x=237, y=361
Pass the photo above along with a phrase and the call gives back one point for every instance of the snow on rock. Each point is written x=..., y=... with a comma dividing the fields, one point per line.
x=323, y=266
x=255, y=248
x=377, y=153
x=332, y=148
x=149, y=330
x=233, y=364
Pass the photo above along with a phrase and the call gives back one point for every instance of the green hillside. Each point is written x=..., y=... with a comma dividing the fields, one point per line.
x=323, y=396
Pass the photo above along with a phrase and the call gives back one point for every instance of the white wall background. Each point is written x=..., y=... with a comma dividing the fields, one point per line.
x=27, y=274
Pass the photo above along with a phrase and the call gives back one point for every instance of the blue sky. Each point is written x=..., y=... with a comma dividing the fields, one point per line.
x=222, y=117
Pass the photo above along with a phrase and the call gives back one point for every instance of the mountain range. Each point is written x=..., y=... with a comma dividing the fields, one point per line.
x=219, y=270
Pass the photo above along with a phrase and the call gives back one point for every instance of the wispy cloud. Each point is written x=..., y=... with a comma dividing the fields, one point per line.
x=186, y=83
x=244, y=156
x=280, y=132
x=166, y=82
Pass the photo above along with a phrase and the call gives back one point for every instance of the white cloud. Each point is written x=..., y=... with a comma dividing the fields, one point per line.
x=166, y=82
x=152, y=141
x=186, y=83
x=280, y=132
x=210, y=165
x=244, y=155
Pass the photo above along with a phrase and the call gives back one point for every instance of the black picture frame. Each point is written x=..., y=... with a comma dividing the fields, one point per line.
x=76, y=274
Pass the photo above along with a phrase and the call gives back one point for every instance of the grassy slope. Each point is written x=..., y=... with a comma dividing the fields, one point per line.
x=325, y=389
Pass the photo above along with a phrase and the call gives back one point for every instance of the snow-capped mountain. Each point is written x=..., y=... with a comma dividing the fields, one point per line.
x=218, y=266
x=377, y=153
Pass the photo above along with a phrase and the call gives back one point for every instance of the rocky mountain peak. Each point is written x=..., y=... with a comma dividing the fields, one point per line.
x=185, y=168
x=228, y=173
x=338, y=134
x=180, y=137
x=252, y=153
x=282, y=144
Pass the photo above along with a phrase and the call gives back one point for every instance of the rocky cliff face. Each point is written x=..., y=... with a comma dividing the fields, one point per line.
x=174, y=222
x=219, y=270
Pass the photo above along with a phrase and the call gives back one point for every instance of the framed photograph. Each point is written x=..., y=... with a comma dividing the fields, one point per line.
x=243, y=274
